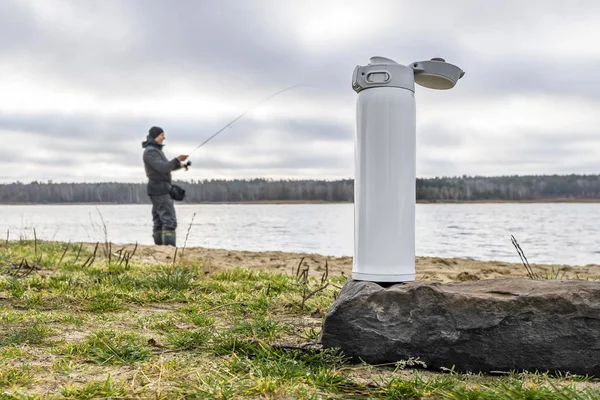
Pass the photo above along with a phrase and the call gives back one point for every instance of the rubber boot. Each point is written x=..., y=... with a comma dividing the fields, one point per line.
x=169, y=238
x=158, y=238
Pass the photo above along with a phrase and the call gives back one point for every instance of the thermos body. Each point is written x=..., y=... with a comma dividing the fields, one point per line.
x=385, y=174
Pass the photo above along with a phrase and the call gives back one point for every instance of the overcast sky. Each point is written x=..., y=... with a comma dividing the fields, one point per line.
x=81, y=82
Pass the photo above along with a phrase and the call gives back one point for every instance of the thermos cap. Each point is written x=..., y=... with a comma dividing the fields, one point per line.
x=381, y=72
x=436, y=74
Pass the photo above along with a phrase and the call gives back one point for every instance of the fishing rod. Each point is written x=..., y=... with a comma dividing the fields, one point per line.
x=188, y=163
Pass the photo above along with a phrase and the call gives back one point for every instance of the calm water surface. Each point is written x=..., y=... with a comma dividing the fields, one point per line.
x=548, y=233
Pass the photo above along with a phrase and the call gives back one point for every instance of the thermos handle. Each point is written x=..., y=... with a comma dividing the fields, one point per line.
x=387, y=75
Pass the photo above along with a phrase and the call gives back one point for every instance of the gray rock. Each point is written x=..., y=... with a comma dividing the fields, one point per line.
x=477, y=326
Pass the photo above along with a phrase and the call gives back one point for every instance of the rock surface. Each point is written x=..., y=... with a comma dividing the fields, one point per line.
x=477, y=326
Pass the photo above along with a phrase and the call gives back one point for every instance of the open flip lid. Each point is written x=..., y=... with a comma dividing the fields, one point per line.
x=436, y=74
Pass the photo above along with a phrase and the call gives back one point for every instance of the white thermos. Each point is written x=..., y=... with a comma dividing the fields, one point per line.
x=385, y=164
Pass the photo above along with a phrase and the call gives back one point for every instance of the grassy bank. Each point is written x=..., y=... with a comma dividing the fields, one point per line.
x=76, y=323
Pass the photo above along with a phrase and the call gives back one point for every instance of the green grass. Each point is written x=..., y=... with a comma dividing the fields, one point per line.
x=110, y=347
x=35, y=334
x=15, y=376
x=110, y=330
x=94, y=390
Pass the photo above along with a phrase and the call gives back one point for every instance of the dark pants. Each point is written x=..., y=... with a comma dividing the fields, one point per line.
x=163, y=213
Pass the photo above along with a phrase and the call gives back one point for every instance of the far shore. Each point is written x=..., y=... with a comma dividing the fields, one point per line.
x=533, y=201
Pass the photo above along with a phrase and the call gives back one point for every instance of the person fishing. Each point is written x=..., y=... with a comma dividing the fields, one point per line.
x=158, y=170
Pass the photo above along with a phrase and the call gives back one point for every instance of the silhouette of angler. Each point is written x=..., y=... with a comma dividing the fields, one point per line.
x=158, y=170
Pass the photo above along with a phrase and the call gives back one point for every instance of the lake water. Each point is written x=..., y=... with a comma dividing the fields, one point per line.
x=564, y=233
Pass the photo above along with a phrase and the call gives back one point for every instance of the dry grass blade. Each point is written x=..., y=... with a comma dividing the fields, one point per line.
x=22, y=270
x=187, y=235
x=302, y=278
x=131, y=255
x=302, y=275
x=313, y=347
x=325, y=274
x=30, y=269
x=311, y=294
x=298, y=268
x=524, y=260
x=91, y=258
x=107, y=244
x=125, y=258
x=134, y=249
x=122, y=256
x=64, y=252
x=15, y=273
x=242, y=303
x=78, y=252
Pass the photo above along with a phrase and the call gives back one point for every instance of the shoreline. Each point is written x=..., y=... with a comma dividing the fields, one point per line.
x=428, y=268
x=293, y=202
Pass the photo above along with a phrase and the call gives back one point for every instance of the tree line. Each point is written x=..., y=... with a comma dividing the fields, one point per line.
x=443, y=189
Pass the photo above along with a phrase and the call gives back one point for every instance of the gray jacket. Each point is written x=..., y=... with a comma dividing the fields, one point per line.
x=158, y=168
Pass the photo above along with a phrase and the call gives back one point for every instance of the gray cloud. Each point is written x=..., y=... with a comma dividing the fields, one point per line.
x=546, y=152
x=435, y=135
x=227, y=43
x=152, y=49
x=89, y=131
x=17, y=27
x=198, y=40
x=281, y=160
x=76, y=127
x=533, y=76
x=82, y=140
x=8, y=156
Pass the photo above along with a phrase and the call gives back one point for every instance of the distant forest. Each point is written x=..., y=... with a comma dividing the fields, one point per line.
x=445, y=189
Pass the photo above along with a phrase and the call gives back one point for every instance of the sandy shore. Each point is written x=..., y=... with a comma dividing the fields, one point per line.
x=258, y=202
x=427, y=268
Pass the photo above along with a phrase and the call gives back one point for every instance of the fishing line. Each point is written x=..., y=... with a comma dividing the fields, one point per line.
x=244, y=113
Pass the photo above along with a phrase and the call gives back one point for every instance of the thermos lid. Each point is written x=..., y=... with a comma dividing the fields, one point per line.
x=381, y=72
x=436, y=74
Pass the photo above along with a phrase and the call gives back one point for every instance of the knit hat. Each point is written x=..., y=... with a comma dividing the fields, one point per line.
x=155, y=132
